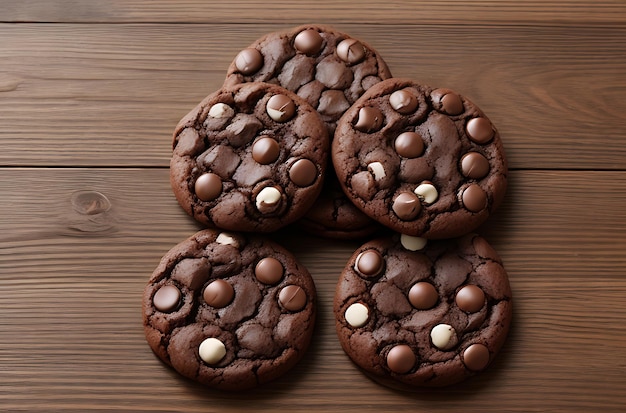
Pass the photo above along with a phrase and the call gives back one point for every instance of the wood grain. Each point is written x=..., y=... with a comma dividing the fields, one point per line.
x=110, y=95
x=90, y=92
x=280, y=11
x=71, y=336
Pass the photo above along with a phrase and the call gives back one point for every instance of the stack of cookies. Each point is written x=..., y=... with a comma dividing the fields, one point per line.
x=311, y=129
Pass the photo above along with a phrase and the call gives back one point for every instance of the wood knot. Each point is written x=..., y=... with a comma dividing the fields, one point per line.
x=90, y=202
x=91, y=214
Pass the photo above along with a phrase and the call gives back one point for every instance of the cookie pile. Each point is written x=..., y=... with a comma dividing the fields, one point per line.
x=311, y=129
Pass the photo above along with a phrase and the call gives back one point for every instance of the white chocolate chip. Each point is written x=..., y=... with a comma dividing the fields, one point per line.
x=443, y=336
x=225, y=238
x=412, y=243
x=357, y=314
x=221, y=110
x=377, y=169
x=212, y=350
x=427, y=193
x=275, y=114
x=268, y=196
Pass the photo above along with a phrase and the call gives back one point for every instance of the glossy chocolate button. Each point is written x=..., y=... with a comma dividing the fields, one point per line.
x=401, y=359
x=480, y=130
x=167, y=299
x=470, y=298
x=474, y=198
x=474, y=165
x=406, y=206
x=303, y=172
x=249, y=61
x=369, y=120
x=265, y=150
x=281, y=108
x=476, y=357
x=409, y=145
x=403, y=101
x=308, y=42
x=350, y=51
x=208, y=187
x=292, y=298
x=423, y=295
x=218, y=294
x=269, y=271
x=369, y=263
x=452, y=104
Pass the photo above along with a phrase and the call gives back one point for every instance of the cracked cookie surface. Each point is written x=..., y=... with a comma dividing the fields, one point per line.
x=422, y=161
x=412, y=314
x=249, y=157
x=229, y=311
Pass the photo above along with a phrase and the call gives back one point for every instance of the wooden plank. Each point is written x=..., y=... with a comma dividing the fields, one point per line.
x=110, y=95
x=325, y=11
x=70, y=288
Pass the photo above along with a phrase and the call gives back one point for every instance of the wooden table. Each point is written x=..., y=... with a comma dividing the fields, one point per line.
x=90, y=92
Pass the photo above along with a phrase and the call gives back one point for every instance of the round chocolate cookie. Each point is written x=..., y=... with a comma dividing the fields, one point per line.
x=330, y=70
x=327, y=68
x=424, y=162
x=413, y=313
x=229, y=311
x=249, y=157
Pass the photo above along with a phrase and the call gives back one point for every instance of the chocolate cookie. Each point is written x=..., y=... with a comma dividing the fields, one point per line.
x=424, y=162
x=330, y=70
x=327, y=68
x=229, y=311
x=413, y=313
x=249, y=157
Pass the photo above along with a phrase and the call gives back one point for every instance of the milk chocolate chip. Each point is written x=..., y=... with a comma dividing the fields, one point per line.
x=281, y=108
x=269, y=271
x=218, y=294
x=369, y=120
x=474, y=198
x=406, y=206
x=480, y=130
x=401, y=359
x=452, y=104
x=369, y=263
x=403, y=101
x=308, y=42
x=474, y=165
x=409, y=145
x=303, y=172
x=351, y=51
x=167, y=299
x=265, y=150
x=476, y=357
x=249, y=61
x=208, y=187
x=470, y=298
x=292, y=298
x=423, y=295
